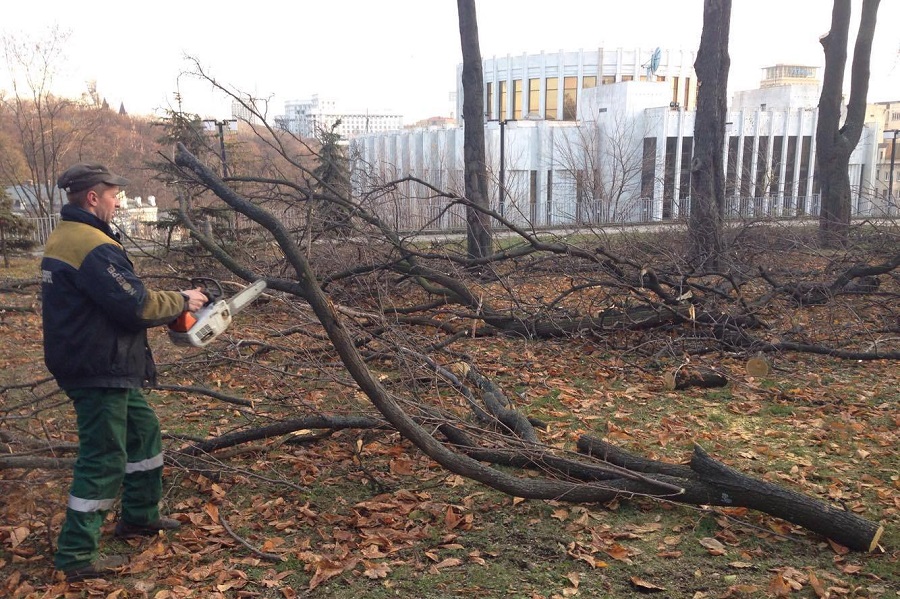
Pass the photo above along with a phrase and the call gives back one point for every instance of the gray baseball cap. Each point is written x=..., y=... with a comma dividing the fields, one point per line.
x=85, y=175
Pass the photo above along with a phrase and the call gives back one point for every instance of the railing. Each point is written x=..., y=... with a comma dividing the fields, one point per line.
x=408, y=214
x=40, y=228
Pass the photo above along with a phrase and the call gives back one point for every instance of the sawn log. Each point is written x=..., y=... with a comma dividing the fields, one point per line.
x=707, y=481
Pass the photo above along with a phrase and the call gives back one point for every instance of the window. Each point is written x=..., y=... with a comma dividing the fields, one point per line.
x=627, y=77
x=570, y=98
x=517, y=99
x=675, y=89
x=489, y=96
x=608, y=79
x=502, y=113
x=534, y=96
x=687, y=92
x=551, y=104
x=588, y=81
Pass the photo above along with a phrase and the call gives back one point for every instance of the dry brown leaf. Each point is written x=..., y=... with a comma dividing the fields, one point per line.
x=778, y=587
x=376, y=570
x=817, y=586
x=213, y=511
x=619, y=552
x=17, y=535
x=713, y=546
x=450, y=562
x=644, y=586
x=325, y=570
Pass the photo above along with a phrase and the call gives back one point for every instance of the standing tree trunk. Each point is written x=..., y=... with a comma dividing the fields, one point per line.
x=707, y=167
x=478, y=232
x=834, y=143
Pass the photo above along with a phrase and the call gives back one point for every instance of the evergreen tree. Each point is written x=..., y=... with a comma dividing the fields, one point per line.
x=11, y=225
x=332, y=182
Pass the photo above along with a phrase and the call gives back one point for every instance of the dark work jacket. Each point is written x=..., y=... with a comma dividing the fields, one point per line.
x=96, y=311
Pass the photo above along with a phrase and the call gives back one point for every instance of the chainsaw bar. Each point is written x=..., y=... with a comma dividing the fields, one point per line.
x=239, y=301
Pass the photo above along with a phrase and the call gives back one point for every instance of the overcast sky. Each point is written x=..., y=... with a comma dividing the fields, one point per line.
x=395, y=54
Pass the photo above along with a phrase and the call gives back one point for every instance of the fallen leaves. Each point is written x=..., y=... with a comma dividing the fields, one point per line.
x=808, y=433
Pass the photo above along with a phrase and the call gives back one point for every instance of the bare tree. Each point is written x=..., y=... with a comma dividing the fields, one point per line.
x=606, y=164
x=478, y=224
x=835, y=142
x=707, y=172
x=42, y=124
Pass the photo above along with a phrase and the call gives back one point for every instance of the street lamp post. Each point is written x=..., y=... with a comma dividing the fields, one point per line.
x=219, y=125
x=503, y=168
x=891, y=172
x=502, y=123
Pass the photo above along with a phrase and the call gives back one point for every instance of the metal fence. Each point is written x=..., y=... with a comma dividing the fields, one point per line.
x=404, y=211
x=40, y=228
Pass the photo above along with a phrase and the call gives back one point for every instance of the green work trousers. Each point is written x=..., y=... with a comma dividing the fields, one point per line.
x=119, y=447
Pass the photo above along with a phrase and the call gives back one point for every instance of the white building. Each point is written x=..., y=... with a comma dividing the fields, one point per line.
x=306, y=118
x=137, y=217
x=550, y=86
x=605, y=136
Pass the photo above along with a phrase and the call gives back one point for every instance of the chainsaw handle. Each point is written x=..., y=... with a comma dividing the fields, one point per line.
x=212, y=292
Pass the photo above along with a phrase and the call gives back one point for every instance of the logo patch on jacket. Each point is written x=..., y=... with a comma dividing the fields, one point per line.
x=123, y=283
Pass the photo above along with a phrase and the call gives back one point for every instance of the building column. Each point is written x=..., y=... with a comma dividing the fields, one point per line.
x=768, y=177
x=754, y=159
x=560, y=85
x=782, y=171
x=810, y=192
x=739, y=173
x=798, y=155
x=679, y=147
x=659, y=169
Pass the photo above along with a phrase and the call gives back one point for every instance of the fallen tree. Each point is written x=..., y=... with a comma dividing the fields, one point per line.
x=443, y=438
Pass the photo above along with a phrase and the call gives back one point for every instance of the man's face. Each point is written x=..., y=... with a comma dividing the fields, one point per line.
x=103, y=201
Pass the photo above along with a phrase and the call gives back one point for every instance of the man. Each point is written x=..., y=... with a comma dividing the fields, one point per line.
x=96, y=312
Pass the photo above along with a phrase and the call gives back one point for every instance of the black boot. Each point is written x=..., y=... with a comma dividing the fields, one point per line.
x=125, y=530
x=101, y=568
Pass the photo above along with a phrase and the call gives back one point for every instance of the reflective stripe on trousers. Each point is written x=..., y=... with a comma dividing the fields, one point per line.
x=90, y=505
x=145, y=465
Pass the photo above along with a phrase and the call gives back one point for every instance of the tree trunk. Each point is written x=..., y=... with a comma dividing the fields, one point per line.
x=3, y=247
x=835, y=143
x=709, y=482
x=478, y=232
x=707, y=168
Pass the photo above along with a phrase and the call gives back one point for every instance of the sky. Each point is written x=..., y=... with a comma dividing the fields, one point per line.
x=398, y=55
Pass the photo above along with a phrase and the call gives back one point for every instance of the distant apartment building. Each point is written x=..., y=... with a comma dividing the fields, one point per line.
x=607, y=136
x=240, y=112
x=306, y=118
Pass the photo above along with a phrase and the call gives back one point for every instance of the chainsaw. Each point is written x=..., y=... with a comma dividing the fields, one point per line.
x=199, y=328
